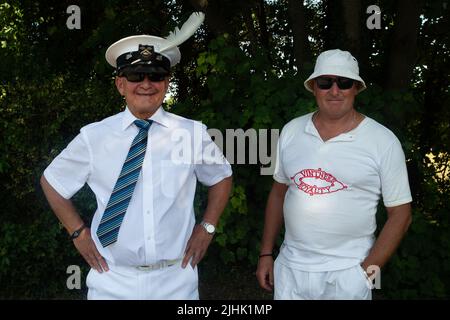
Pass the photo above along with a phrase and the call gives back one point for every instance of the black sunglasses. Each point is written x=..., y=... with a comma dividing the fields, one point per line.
x=139, y=76
x=326, y=83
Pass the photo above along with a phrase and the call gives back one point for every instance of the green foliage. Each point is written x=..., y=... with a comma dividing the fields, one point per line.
x=34, y=258
x=36, y=118
x=421, y=267
x=55, y=81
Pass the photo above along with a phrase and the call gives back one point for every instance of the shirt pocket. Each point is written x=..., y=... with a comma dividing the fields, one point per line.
x=175, y=178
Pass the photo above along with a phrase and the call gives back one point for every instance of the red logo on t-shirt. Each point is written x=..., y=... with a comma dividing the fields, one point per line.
x=312, y=181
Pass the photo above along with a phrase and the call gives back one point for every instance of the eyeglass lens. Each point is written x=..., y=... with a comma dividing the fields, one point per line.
x=139, y=76
x=326, y=83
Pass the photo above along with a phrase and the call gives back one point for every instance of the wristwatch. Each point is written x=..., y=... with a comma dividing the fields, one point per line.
x=77, y=233
x=208, y=227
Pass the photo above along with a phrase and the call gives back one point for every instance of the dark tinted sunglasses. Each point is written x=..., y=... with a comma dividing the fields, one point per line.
x=139, y=76
x=326, y=83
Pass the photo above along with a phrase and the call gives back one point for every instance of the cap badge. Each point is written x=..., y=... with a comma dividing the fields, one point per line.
x=146, y=52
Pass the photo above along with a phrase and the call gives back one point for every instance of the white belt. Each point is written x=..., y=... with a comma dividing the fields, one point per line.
x=158, y=265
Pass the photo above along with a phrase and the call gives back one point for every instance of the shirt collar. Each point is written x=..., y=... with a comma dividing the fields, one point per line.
x=160, y=117
x=310, y=128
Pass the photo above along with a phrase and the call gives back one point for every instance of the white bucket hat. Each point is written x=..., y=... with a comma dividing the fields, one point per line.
x=338, y=63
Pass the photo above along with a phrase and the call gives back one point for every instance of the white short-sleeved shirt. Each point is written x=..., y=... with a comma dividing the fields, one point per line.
x=334, y=189
x=160, y=216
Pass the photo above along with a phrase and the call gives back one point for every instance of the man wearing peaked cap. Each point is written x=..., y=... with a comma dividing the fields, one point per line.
x=143, y=242
x=333, y=166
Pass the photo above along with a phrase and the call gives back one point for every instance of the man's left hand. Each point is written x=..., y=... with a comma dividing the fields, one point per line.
x=196, y=247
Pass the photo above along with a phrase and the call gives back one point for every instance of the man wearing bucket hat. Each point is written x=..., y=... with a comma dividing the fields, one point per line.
x=143, y=165
x=332, y=168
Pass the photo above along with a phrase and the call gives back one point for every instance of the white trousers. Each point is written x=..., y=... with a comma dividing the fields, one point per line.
x=346, y=284
x=129, y=283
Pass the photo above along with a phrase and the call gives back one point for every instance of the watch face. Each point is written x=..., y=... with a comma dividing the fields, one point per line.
x=210, y=229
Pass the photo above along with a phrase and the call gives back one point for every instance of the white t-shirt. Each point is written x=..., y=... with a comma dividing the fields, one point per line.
x=334, y=189
x=160, y=216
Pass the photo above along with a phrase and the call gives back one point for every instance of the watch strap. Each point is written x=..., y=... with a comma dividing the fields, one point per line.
x=207, y=225
x=77, y=232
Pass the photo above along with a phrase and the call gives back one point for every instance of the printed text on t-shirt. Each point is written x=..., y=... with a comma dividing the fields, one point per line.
x=312, y=181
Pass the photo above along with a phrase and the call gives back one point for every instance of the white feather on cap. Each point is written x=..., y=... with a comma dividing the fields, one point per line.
x=178, y=36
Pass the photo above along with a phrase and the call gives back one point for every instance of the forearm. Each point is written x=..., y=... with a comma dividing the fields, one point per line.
x=63, y=208
x=273, y=217
x=71, y=220
x=199, y=241
x=399, y=219
x=218, y=195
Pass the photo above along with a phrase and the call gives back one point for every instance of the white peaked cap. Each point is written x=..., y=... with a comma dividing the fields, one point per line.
x=166, y=47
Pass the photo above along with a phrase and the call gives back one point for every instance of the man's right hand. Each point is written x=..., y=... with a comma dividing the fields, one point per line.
x=264, y=272
x=86, y=246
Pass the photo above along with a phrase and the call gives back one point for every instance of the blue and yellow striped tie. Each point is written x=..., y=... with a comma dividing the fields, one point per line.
x=112, y=218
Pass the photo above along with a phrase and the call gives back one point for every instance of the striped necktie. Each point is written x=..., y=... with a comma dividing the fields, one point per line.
x=112, y=218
